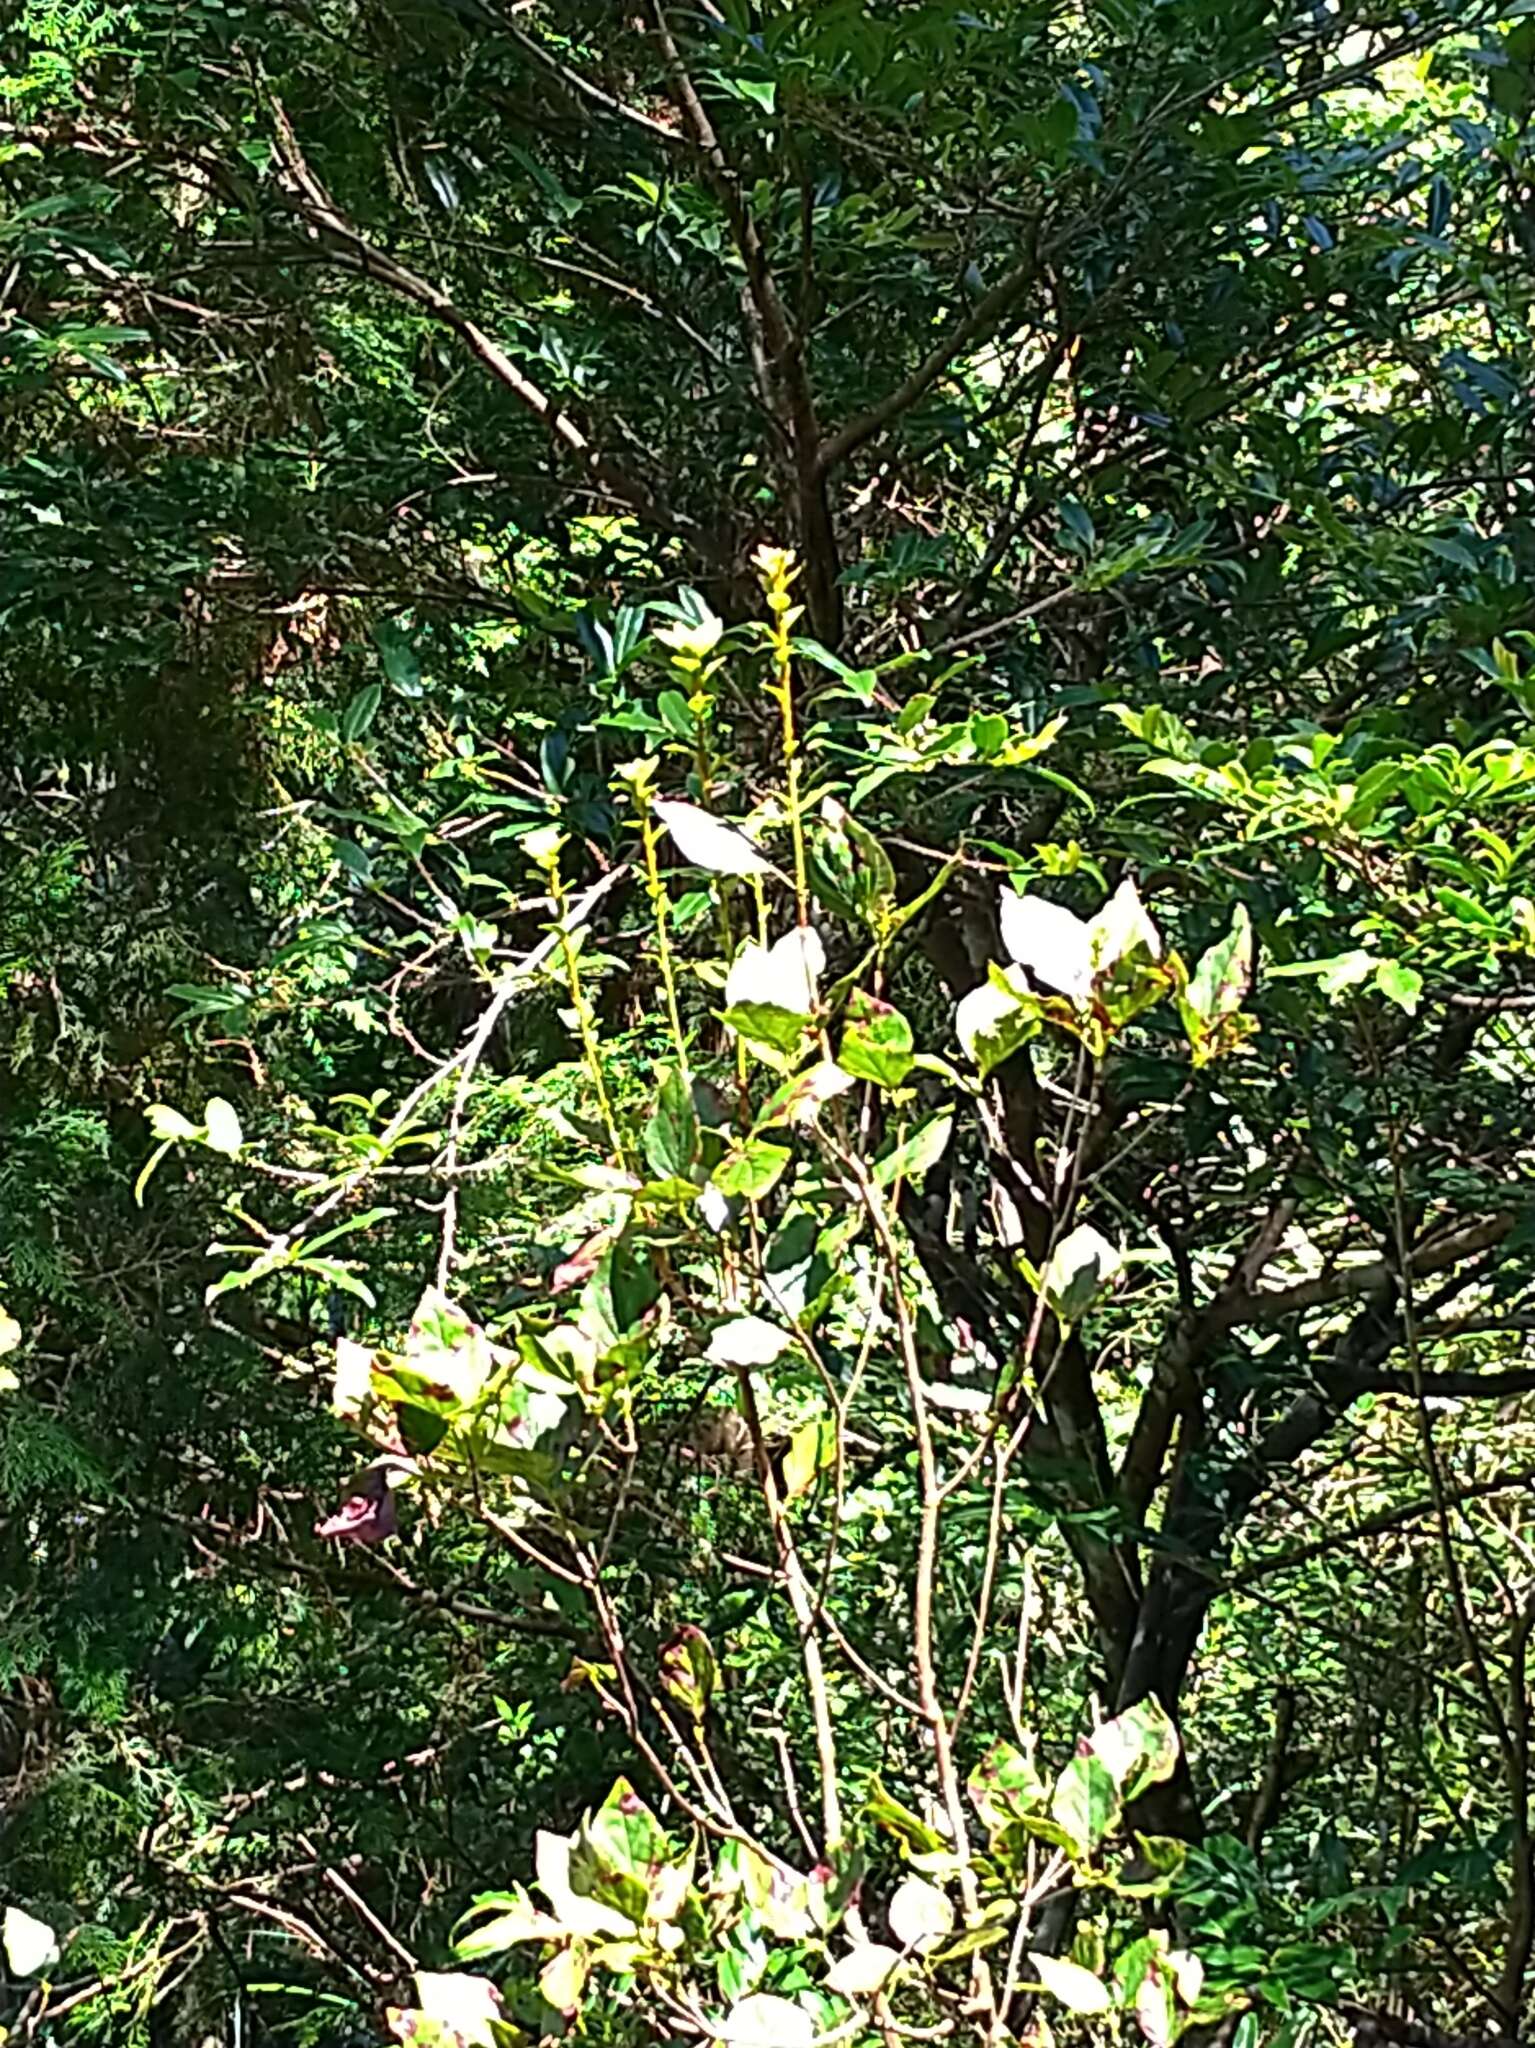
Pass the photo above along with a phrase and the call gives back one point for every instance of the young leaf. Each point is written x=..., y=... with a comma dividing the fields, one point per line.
x=1400, y=985
x=863, y=1970
x=222, y=1127
x=30, y=1945
x=1079, y=1269
x=811, y=1447
x=1050, y=942
x=877, y=1044
x=749, y=1340
x=920, y=1914
x=1077, y=1989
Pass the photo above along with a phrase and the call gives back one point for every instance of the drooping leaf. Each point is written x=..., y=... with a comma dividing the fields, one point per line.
x=671, y=1136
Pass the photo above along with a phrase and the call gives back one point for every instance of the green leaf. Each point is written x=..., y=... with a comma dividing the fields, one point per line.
x=910, y=1157
x=689, y=1671
x=402, y=665
x=1335, y=975
x=513, y=1918
x=752, y=1169
x=993, y=1021
x=675, y=715
x=1085, y=1802
x=1224, y=973
x=877, y=1044
x=898, y=1820
x=671, y=1136
x=812, y=1447
x=1400, y=985
x=361, y=710
x=768, y=1028
x=1004, y=1785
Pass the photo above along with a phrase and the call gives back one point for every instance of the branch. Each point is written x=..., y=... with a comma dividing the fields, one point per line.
x=314, y=204
x=779, y=350
x=1457, y=1386
x=1373, y=1525
x=1368, y=1277
x=978, y=323
x=578, y=87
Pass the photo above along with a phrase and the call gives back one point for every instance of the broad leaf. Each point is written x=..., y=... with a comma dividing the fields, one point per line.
x=710, y=843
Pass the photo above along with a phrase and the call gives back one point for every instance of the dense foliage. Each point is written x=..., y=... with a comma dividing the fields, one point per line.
x=767, y=1010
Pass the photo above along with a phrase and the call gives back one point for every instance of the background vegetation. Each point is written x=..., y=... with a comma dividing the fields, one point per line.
x=765, y=1020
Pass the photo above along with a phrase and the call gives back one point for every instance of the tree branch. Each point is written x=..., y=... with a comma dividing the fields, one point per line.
x=977, y=325
x=313, y=203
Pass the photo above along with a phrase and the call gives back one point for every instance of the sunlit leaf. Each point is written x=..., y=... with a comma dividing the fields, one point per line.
x=1077, y=1989
x=710, y=843
x=30, y=1945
